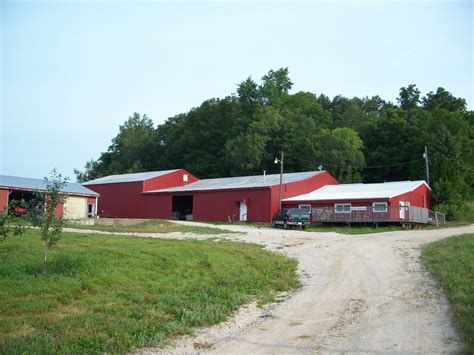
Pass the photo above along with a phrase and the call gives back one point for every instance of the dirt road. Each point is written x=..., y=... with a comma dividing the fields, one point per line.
x=360, y=294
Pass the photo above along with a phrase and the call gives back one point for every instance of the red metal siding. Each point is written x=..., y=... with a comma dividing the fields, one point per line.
x=157, y=206
x=220, y=205
x=4, y=201
x=120, y=199
x=173, y=179
x=420, y=197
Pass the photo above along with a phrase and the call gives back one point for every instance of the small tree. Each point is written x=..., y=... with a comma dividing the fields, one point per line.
x=52, y=224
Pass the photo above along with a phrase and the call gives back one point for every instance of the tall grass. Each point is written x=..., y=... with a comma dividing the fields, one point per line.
x=111, y=294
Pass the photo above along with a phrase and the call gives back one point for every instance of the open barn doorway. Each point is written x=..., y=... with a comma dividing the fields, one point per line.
x=22, y=202
x=183, y=208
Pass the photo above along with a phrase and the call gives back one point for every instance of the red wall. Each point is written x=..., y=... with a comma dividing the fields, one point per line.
x=157, y=206
x=120, y=199
x=4, y=201
x=220, y=205
x=420, y=197
x=173, y=179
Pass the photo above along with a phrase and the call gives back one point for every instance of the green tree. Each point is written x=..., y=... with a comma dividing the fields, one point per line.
x=341, y=150
x=51, y=224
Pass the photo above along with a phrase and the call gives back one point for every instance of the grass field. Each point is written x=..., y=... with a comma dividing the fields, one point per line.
x=451, y=261
x=153, y=226
x=113, y=293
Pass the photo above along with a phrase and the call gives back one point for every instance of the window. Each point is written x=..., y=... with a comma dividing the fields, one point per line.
x=305, y=207
x=90, y=210
x=379, y=206
x=185, y=177
x=342, y=207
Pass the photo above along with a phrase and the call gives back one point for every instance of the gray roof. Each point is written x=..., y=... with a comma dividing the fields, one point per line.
x=240, y=182
x=114, y=179
x=39, y=184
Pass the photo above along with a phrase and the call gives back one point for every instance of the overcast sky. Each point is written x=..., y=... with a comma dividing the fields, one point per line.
x=72, y=72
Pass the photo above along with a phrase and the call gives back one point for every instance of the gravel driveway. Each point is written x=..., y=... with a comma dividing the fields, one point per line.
x=360, y=294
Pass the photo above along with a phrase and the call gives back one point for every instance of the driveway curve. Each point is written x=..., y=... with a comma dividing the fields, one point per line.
x=360, y=294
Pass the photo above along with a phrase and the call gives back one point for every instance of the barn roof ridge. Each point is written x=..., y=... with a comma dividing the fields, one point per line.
x=131, y=177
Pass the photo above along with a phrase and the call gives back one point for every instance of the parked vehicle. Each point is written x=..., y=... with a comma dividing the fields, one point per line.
x=289, y=217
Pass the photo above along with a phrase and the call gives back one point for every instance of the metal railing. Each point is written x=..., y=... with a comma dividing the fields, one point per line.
x=369, y=214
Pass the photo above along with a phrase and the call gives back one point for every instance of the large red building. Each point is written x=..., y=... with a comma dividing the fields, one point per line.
x=178, y=194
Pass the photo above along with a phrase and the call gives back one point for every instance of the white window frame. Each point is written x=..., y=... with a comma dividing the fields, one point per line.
x=380, y=203
x=336, y=205
x=305, y=205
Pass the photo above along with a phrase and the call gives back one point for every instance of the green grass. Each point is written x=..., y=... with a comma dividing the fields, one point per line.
x=451, y=261
x=154, y=226
x=114, y=293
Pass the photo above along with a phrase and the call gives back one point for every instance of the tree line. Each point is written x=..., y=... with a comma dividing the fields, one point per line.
x=356, y=139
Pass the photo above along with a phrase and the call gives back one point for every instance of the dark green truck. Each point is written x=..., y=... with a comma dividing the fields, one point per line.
x=289, y=217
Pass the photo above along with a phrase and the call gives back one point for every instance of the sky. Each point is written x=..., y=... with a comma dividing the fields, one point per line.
x=73, y=71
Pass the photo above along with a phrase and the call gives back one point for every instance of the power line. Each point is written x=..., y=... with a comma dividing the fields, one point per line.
x=367, y=167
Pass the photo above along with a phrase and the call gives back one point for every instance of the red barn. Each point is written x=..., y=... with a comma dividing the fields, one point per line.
x=244, y=198
x=123, y=195
x=401, y=201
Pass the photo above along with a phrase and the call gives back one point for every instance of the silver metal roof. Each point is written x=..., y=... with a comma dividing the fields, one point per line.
x=114, y=179
x=39, y=184
x=359, y=191
x=240, y=182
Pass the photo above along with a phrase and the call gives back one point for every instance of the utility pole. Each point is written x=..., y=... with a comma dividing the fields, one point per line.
x=281, y=178
x=425, y=155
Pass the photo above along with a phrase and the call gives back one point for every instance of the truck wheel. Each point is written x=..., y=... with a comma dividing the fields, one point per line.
x=285, y=225
x=303, y=227
x=273, y=224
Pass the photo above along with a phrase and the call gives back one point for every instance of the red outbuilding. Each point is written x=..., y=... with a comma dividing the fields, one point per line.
x=402, y=201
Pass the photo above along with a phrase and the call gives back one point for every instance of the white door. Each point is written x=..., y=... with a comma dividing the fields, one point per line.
x=243, y=211
x=402, y=209
x=75, y=207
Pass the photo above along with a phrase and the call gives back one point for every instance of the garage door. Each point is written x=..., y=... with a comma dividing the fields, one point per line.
x=75, y=207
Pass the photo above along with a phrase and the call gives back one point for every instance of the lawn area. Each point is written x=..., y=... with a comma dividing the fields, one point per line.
x=451, y=261
x=114, y=293
x=153, y=226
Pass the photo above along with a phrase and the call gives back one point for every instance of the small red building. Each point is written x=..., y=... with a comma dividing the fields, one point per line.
x=384, y=202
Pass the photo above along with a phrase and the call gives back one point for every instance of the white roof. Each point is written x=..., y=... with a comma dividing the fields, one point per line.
x=240, y=182
x=113, y=179
x=359, y=191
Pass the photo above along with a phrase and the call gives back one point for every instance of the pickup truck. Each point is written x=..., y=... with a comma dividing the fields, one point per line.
x=288, y=217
